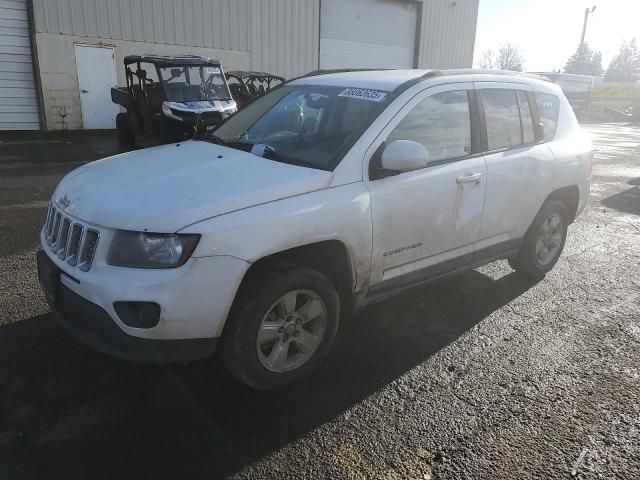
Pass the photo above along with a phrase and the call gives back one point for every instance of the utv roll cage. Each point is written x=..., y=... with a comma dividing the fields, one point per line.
x=246, y=86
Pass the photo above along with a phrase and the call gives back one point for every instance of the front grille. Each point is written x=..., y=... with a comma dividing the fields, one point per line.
x=72, y=241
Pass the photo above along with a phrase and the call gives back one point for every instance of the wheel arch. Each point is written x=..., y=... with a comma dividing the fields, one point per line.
x=569, y=196
x=329, y=257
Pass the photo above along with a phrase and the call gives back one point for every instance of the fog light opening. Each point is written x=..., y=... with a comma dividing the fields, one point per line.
x=138, y=314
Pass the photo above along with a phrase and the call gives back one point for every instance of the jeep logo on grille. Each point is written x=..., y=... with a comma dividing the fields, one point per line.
x=64, y=201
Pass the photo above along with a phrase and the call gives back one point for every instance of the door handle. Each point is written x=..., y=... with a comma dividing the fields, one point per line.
x=471, y=178
x=84, y=91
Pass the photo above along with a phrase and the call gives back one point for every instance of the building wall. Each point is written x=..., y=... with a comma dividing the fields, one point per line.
x=278, y=36
x=448, y=33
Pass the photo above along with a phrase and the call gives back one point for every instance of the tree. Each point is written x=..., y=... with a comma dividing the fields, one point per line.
x=584, y=61
x=625, y=66
x=507, y=58
x=487, y=61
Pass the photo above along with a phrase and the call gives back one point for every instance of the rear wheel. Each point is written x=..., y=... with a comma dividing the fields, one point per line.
x=281, y=328
x=543, y=243
x=126, y=138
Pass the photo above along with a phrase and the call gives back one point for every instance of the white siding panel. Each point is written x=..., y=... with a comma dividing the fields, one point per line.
x=343, y=54
x=367, y=33
x=18, y=100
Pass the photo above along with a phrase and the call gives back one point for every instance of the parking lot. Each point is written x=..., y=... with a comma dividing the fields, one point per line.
x=485, y=375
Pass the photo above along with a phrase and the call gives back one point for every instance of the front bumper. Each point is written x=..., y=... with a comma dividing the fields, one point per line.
x=92, y=325
x=194, y=299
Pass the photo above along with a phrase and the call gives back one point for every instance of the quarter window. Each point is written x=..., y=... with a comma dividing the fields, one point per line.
x=503, y=118
x=548, y=107
x=526, y=118
x=441, y=122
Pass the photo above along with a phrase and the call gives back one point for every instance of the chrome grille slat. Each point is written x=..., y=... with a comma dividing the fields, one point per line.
x=64, y=237
x=50, y=216
x=56, y=230
x=88, y=249
x=72, y=241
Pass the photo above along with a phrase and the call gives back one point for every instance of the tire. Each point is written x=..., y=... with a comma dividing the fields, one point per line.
x=262, y=365
x=550, y=228
x=126, y=138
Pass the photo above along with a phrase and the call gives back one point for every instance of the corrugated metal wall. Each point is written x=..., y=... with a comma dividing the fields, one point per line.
x=218, y=24
x=281, y=35
x=448, y=33
x=285, y=36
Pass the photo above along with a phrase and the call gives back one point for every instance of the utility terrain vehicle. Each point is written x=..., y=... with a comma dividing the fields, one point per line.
x=169, y=98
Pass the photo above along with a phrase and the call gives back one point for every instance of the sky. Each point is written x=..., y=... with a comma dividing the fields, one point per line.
x=548, y=31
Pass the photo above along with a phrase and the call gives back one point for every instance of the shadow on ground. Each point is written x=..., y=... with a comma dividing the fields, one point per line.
x=627, y=201
x=67, y=411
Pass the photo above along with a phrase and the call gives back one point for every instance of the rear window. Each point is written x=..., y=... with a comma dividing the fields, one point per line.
x=528, y=133
x=548, y=107
x=502, y=118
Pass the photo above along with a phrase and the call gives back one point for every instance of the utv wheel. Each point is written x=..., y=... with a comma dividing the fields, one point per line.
x=126, y=138
x=544, y=241
x=281, y=328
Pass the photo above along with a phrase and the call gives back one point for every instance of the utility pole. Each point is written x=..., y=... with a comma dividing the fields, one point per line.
x=587, y=11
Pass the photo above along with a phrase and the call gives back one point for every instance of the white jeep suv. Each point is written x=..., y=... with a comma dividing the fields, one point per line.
x=332, y=191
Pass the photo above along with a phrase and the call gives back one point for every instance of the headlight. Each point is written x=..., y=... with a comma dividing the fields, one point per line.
x=151, y=250
x=166, y=109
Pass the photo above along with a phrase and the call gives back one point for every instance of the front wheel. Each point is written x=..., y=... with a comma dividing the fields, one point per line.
x=281, y=328
x=544, y=241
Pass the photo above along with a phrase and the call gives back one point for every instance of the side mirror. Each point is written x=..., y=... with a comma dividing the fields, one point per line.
x=404, y=156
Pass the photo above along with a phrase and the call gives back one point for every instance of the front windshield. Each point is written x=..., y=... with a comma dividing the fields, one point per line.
x=194, y=83
x=303, y=124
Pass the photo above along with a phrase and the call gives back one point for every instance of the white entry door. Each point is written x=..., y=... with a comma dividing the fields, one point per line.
x=96, y=75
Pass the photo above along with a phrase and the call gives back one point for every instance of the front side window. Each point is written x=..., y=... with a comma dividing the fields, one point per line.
x=502, y=118
x=303, y=124
x=441, y=122
x=548, y=108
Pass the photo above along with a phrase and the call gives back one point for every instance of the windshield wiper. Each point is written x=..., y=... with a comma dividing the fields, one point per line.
x=213, y=138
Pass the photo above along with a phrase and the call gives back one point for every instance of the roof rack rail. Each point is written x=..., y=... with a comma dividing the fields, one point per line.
x=324, y=71
x=471, y=71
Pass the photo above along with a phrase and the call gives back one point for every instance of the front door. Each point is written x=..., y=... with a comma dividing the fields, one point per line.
x=426, y=221
x=96, y=75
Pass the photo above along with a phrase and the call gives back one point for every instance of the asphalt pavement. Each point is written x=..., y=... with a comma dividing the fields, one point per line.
x=482, y=376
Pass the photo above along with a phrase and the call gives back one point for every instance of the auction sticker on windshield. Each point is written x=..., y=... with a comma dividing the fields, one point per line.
x=373, y=95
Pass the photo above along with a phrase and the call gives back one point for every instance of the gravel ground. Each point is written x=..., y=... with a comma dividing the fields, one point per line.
x=485, y=375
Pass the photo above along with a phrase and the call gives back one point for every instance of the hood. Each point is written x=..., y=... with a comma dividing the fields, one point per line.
x=163, y=189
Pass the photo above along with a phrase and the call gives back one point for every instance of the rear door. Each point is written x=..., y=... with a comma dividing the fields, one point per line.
x=519, y=169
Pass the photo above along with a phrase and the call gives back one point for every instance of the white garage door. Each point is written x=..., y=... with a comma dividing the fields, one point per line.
x=367, y=33
x=18, y=100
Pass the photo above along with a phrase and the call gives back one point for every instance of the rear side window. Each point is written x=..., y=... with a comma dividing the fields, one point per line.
x=503, y=118
x=526, y=118
x=548, y=107
x=441, y=122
